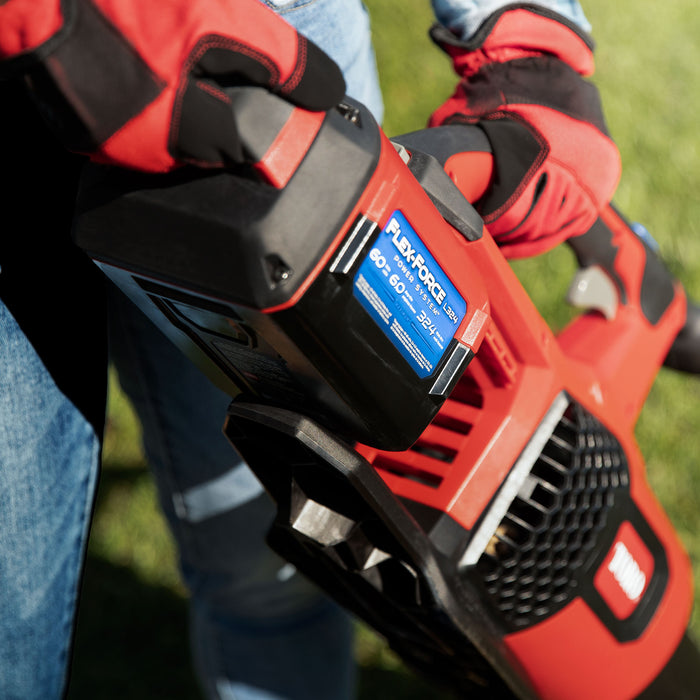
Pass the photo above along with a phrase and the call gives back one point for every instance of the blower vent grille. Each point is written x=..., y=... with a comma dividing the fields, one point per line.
x=530, y=565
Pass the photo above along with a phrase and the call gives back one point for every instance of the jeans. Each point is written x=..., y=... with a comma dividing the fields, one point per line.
x=48, y=466
x=258, y=629
x=463, y=17
x=341, y=29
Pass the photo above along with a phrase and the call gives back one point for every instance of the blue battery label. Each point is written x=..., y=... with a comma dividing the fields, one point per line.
x=409, y=296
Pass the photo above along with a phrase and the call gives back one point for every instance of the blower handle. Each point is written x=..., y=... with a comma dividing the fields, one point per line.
x=629, y=262
x=617, y=265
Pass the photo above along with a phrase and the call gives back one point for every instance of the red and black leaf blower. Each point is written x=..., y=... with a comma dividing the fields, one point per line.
x=443, y=464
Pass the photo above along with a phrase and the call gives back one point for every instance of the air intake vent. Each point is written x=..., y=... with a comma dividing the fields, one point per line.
x=530, y=565
x=427, y=461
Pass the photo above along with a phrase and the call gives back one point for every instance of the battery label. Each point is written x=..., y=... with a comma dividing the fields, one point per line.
x=409, y=296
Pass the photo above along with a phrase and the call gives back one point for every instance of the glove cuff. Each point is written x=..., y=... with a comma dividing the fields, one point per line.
x=518, y=31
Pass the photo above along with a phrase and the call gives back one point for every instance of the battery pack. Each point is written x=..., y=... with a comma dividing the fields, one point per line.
x=345, y=294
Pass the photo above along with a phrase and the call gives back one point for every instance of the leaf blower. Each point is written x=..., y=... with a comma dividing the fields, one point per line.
x=443, y=465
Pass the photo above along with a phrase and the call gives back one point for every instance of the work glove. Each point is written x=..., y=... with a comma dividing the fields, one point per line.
x=555, y=165
x=141, y=84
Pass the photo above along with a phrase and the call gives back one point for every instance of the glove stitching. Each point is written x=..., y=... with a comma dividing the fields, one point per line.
x=539, y=188
x=216, y=41
x=204, y=44
x=582, y=185
x=295, y=78
x=213, y=90
x=530, y=173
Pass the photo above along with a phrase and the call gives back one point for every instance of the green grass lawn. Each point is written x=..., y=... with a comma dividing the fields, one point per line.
x=132, y=632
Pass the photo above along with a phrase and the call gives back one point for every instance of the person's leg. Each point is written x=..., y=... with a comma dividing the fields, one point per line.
x=52, y=391
x=259, y=630
x=48, y=467
x=342, y=29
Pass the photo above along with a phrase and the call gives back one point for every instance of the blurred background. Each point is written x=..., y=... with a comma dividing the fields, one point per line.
x=132, y=629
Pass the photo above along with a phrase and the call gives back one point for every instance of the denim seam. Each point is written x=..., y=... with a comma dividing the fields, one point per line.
x=283, y=10
x=83, y=537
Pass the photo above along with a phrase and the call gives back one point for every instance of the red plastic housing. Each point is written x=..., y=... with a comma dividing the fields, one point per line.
x=464, y=456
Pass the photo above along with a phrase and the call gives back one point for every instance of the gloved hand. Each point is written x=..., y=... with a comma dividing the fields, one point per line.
x=140, y=84
x=555, y=164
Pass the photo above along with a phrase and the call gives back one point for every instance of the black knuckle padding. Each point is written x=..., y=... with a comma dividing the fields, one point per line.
x=317, y=83
x=203, y=129
x=542, y=80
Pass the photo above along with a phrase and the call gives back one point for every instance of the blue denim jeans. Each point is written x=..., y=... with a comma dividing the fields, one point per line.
x=48, y=467
x=341, y=28
x=463, y=17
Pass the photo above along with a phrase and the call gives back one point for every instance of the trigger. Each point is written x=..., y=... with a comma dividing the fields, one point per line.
x=592, y=288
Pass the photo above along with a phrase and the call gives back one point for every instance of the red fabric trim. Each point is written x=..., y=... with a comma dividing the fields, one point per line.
x=150, y=27
x=521, y=33
x=26, y=24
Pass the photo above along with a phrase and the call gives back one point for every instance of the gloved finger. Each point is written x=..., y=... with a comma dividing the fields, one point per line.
x=315, y=81
x=204, y=128
x=204, y=131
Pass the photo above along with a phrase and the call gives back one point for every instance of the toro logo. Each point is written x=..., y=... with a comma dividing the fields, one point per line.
x=624, y=576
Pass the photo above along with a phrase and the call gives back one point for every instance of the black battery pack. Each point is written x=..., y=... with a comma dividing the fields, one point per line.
x=344, y=293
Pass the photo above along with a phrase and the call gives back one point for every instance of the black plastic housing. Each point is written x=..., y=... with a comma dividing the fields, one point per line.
x=255, y=283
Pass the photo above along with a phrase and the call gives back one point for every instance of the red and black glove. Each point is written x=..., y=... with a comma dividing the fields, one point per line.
x=141, y=84
x=555, y=165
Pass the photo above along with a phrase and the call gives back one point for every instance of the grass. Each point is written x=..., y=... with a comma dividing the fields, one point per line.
x=132, y=638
